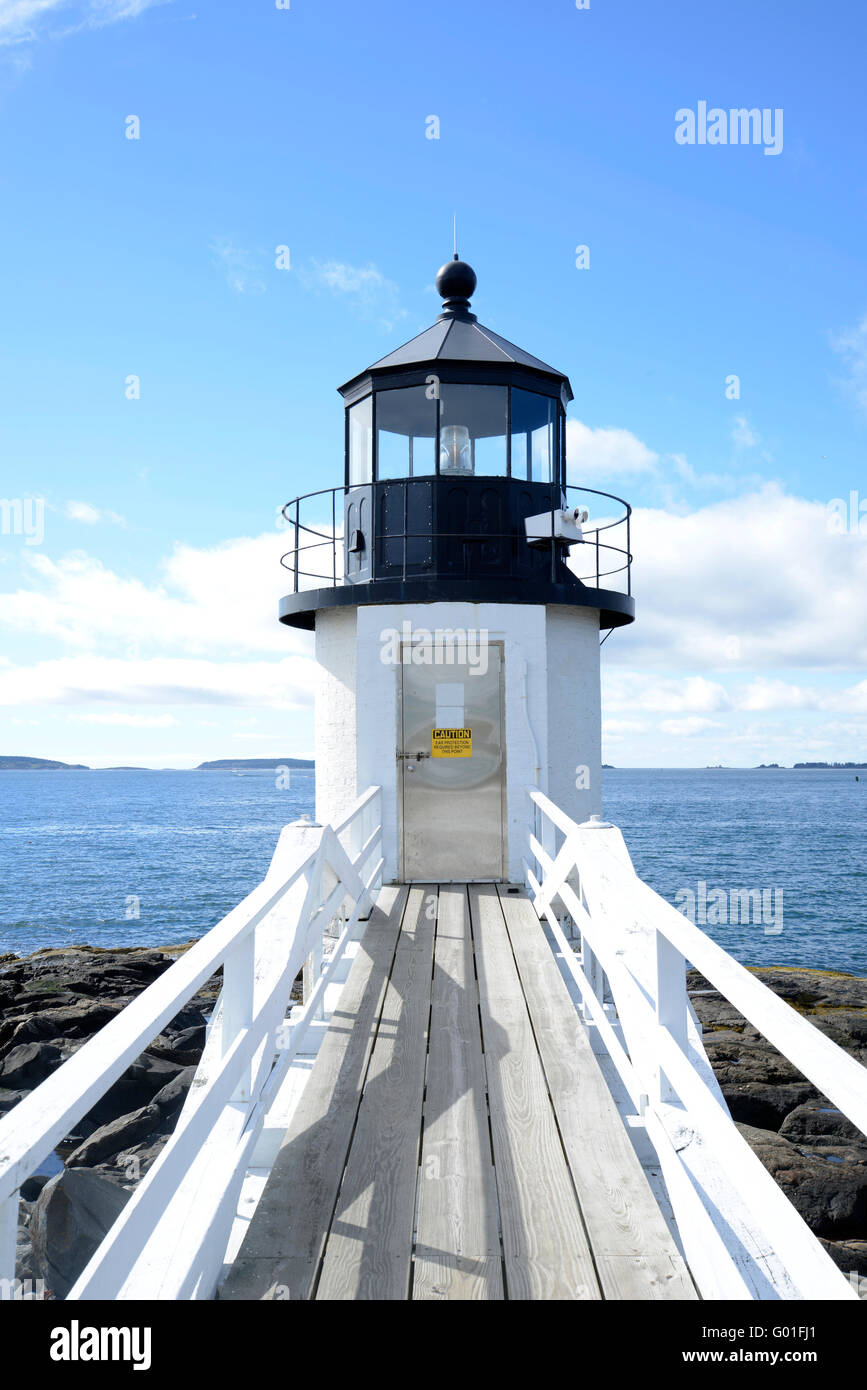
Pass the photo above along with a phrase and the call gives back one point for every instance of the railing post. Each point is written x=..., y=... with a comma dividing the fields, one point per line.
x=671, y=1005
x=8, y=1244
x=238, y=983
x=316, y=894
x=334, y=536
x=628, y=556
x=546, y=833
x=312, y=971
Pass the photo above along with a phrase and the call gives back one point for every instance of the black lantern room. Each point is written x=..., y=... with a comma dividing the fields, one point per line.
x=452, y=442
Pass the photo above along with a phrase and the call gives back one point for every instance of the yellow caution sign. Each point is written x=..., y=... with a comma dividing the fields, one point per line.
x=452, y=743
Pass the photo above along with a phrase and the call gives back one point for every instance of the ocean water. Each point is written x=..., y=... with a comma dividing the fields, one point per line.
x=802, y=834
x=81, y=853
x=153, y=858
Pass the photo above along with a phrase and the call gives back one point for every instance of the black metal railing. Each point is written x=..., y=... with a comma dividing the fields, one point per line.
x=318, y=551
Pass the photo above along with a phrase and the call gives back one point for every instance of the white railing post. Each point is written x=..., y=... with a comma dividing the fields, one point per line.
x=8, y=1244
x=238, y=982
x=595, y=977
x=671, y=1005
x=317, y=893
x=363, y=827
x=547, y=833
x=312, y=972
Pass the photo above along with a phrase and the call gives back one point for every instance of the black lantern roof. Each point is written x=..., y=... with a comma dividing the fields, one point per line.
x=457, y=341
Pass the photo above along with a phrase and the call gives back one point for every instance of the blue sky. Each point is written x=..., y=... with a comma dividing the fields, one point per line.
x=141, y=628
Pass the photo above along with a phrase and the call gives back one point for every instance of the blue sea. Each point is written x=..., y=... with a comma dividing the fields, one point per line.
x=154, y=858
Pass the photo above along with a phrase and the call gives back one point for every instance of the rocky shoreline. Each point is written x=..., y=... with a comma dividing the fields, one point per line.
x=53, y=1001
x=815, y=1154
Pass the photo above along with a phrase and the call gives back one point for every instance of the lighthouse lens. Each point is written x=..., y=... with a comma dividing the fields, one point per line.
x=455, y=453
x=480, y=415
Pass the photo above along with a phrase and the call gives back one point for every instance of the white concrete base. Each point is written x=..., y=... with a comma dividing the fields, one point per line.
x=552, y=708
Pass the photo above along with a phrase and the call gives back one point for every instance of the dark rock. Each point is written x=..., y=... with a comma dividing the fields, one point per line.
x=831, y=1197
x=69, y=1221
x=8, y=1099
x=819, y=1123
x=81, y=1019
x=23, y=1249
x=760, y=1086
x=111, y=1139
x=26, y=1066
x=141, y=1127
x=31, y=1189
x=136, y=1088
x=184, y=1046
x=172, y=1096
x=765, y=1105
x=851, y=1257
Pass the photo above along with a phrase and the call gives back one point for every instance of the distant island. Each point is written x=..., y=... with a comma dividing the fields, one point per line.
x=856, y=766
x=14, y=764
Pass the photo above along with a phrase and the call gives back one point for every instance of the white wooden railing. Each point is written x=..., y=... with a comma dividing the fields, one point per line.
x=170, y=1240
x=742, y=1237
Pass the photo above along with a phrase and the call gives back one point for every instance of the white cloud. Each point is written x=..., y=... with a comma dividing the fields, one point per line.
x=90, y=515
x=128, y=721
x=616, y=728
x=22, y=21
x=603, y=453
x=219, y=602
x=686, y=728
x=851, y=346
x=241, y=267
x=364, y=286
x=637, y=690
x=743, y=434
x=749, y=583
x=763, y=694
x=286, y=684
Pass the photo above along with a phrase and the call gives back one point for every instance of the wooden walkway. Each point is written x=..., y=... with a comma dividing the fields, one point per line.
x=456, y=1139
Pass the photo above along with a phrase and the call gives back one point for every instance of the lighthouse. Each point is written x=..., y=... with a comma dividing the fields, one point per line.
x=459, y=588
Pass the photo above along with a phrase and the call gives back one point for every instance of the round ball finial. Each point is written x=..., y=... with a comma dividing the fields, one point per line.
x=456, y=281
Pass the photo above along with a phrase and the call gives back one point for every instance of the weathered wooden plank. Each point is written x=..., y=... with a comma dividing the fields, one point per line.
x=368, y=1254
x=457, y=1242
x=650, y=1277
x=546, y=1252
x=282, y=1250
x=634, y=1250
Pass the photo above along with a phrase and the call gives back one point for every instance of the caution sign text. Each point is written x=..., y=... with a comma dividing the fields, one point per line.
x=452, y=743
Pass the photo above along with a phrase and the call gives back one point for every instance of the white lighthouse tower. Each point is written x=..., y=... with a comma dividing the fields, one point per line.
x=458, y=595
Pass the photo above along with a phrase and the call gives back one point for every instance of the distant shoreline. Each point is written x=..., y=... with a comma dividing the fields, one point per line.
x=21, y=764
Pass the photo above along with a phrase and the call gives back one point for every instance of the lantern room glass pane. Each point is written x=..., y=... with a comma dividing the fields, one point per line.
x=406, y=426
x=534, y=436
x=473, y=426
x=361, y=442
